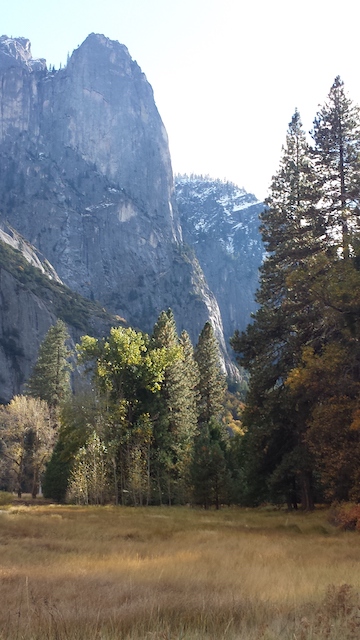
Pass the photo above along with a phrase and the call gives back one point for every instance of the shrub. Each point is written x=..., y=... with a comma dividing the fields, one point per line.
x=5, y=498
x=346, y=516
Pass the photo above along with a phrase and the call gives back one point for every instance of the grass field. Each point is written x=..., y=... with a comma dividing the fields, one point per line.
x=159, y=573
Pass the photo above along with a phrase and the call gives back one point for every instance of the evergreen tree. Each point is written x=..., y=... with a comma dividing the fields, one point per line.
x=308, y=315
x=176, y=420
x=191, y=374
x=50, y=378
x=212, y=383
x=293, y=235
x=210, y=476
x=57, y=472
x=336, y=136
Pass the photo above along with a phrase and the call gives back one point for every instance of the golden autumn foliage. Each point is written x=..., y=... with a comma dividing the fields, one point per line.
x=233, y=408
x=325, y=380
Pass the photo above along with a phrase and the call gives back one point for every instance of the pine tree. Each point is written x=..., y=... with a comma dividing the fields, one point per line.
x=291, y=227
x=176, y=420
x=209, y=472
x=293, y=235
x=191, y=374
x=336, y=136
x=50, y=379
x=212, y=383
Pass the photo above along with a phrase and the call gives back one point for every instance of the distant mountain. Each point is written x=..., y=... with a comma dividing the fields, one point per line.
x=86, y=178
x=86, y=181
x=220, y=221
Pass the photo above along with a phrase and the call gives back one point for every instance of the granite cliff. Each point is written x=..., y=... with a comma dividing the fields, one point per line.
x=85, y=177
x=32, y=297
x=220, y=221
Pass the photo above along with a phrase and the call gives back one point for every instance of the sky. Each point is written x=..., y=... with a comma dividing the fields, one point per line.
x=227, y=75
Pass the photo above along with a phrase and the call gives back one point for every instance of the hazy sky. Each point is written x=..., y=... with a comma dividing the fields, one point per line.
x=227, y=74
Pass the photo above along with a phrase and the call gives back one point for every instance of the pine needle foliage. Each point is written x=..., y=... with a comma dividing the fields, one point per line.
x=50, y=378
x=308, y=312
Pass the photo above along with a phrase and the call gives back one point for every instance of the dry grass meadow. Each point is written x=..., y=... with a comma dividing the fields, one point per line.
x=83, y=573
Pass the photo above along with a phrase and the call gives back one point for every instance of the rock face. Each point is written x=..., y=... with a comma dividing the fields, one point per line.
x=220, y=222
x=32, y=297
x=86, y=178
x=25, y=319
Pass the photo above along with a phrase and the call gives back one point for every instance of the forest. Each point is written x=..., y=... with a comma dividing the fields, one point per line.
x=302, y=350
x=144, y=425
x=149, y=420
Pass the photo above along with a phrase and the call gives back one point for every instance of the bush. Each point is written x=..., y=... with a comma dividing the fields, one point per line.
x=6, y=498
x=346, y=516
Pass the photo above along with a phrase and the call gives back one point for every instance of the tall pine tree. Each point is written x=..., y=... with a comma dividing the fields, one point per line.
x=293, y=235
x=211, y=387
x=176, y=420
x=336, y=137
x=50, y=378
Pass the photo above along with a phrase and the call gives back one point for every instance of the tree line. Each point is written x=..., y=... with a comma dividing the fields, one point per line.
x=302, y=350
x=146, y=424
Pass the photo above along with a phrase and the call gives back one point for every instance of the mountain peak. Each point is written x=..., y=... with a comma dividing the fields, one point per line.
x=17, y=51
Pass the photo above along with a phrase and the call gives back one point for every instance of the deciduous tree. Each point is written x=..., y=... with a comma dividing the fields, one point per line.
x=27, y=439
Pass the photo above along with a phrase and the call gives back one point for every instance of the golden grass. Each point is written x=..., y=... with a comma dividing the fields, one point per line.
x=156, y=573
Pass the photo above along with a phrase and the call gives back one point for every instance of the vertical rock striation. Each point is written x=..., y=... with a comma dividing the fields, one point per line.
x=85, y=177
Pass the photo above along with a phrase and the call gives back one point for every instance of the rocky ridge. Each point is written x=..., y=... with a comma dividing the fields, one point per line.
x=92, y=185
x=85, y=177
x=32, y=297
x=220, y=221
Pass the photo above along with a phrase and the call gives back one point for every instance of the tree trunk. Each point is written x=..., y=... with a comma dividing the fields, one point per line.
x=116, y=488
x=307, y=498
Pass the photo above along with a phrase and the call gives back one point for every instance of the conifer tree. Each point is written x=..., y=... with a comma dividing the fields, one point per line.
x=336, y=137
x=291, y=227
x=191, y=374
x=176, y=419
x=211, y=386
x=209, y=472
x=50, y=379
x=293, y=235
x=308, y=312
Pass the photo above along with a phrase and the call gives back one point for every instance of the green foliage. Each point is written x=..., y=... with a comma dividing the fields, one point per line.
x=336, y=137
x=212, y=383
x=80, y=415
x=176, y=418
x=88, y=477
x=6, y=498
x=129, y=372
x=50, y=376
x=130, y=437
x=123, y=365
x=57, y=472
x=209, y=473
x=302, y=348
